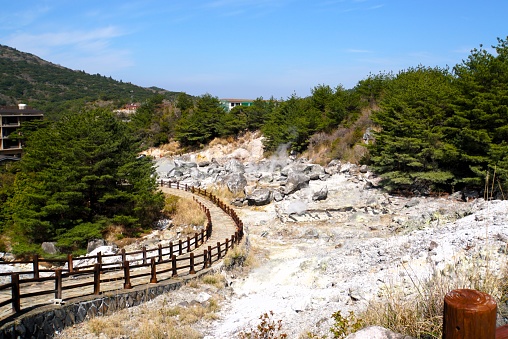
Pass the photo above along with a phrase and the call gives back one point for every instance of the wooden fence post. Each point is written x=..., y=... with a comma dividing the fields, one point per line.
x=16, y=300
x=144, y=255
x=196, y=243
x=70, y=264
x=126, y=275
x=191, y=264
x=160, y=252
x=36, y=266
x=188, y=245
x=173, y=266
x=180, y=248
x=205, y=259
x=170, y=249
x=153, y=278
x=99, y=258
x=58, y=284
x=218, y=250
x=124, y=256
x=469, y=314
x=209, y=256
x=97, y=279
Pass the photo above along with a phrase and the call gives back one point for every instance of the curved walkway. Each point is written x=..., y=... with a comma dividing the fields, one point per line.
x=222, y=224
x=223, y=227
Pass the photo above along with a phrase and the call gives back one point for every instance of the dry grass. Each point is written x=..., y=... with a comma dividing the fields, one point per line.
x=171, y=148
x=419, y=312
x=345, y=143
x=216, y=280
x=184, y=212
x=240, y=256
x=223, y=192
x=222, y=141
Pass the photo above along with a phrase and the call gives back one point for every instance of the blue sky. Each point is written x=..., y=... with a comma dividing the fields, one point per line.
x=250, y=48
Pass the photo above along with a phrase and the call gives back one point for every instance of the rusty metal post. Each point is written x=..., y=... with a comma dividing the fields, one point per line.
x=469, y=314
x=97, y=279
x=16, y=299
x=153, y=267
x=126, y=275
x=58, y=284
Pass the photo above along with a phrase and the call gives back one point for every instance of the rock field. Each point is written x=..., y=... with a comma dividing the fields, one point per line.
x=315, y=256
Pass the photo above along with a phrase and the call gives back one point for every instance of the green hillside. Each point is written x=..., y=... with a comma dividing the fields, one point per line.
x=26, y=78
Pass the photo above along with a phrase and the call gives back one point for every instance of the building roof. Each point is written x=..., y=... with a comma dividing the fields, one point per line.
x=238, y=100
x=26, y=110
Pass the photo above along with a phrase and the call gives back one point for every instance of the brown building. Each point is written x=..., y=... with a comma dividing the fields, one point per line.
x=11, y=119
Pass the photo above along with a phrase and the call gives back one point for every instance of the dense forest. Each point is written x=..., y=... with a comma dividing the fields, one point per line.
x=431, y=130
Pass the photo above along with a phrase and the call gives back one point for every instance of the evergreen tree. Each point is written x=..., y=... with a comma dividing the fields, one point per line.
x=480, y=126
x=411, y=151
x=201, y=125
x=78, y=176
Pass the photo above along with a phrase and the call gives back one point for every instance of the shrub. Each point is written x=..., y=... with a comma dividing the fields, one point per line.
x=343, y=326
x=267, y=329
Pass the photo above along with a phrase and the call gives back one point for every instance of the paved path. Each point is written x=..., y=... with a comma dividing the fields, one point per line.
x=222, y=228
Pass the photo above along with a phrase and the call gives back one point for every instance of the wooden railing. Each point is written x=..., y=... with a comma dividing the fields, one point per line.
x=166, y=262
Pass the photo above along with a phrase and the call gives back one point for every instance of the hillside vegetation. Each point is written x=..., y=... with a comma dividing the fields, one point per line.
x=431, y=130
x=26, y=78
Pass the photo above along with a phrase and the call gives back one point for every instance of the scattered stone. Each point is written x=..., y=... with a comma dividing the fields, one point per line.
x=376, y=332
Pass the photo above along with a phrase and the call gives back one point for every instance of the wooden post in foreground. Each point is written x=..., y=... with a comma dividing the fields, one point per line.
x=469, y=314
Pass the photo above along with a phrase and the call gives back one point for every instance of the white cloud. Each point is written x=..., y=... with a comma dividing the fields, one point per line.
x=79, y=49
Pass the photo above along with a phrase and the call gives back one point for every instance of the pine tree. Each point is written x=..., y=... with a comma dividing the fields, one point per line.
x=78, y=176
x=410, y=150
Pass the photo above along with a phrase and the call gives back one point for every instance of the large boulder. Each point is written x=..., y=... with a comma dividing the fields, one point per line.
x=322, y=194
x=295, y=182
x=235, y=182
x=234, y=166
x=315, y=171
x=49, y=247
x=259, y=197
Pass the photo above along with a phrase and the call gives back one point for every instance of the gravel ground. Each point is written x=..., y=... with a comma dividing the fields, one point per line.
x=312, y=264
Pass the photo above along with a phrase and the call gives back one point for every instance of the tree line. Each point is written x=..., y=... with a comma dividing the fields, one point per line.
x=435, y=130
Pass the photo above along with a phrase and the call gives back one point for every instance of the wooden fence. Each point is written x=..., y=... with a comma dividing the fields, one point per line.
x=144, y=266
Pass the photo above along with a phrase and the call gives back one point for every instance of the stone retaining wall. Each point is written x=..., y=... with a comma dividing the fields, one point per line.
x=46, y=321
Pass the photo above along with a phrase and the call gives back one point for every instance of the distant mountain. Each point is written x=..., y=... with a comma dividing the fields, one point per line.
x=26, y=78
